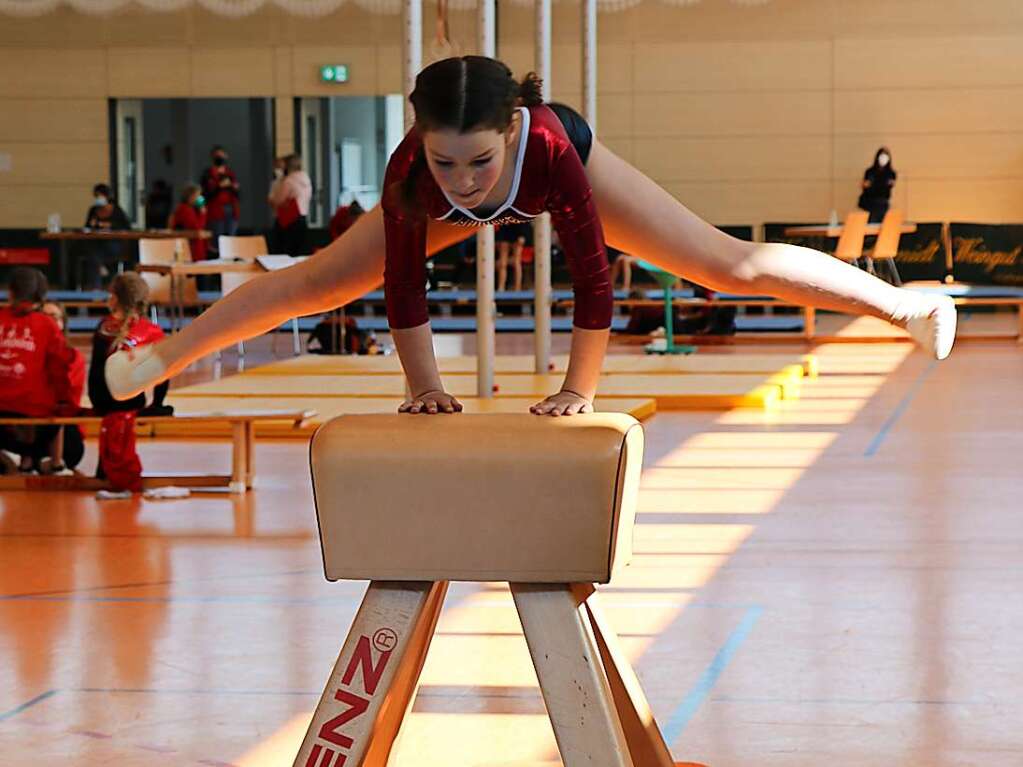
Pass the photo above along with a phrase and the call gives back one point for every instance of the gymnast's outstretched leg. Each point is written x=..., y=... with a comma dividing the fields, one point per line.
x=348, y=268
x=640, y=217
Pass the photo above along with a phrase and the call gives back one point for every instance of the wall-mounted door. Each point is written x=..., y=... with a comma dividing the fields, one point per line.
x=130, y=152
x=314, y=130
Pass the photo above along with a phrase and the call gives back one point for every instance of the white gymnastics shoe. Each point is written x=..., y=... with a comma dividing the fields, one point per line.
x=933, y=324
x=130, y=372
x=113, y=495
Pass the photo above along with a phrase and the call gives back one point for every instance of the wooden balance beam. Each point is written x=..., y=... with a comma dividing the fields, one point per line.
x=546, y=504
x=243, y=440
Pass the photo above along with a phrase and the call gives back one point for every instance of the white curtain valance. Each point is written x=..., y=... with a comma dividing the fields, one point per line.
x=313, y=8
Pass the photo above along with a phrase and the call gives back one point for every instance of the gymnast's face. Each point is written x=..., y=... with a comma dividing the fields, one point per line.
x=467, y=166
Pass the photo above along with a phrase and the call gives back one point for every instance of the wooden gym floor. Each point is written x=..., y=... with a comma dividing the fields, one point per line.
x=836, y=582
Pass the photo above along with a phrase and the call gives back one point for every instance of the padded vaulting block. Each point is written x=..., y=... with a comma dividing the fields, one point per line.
x=477, y=497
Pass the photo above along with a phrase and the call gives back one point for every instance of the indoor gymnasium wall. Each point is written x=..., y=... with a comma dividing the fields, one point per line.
x=745, y=113
x=760, y=113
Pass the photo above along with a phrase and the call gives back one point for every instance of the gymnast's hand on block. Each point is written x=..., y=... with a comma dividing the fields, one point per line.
x=431, y=403
x=565, y=402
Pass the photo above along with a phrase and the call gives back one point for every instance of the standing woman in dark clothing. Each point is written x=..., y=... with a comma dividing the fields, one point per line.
x=877, y=184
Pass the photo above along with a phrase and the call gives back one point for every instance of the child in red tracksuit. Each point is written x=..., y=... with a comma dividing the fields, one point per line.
x=126, y=327
x=35, y=362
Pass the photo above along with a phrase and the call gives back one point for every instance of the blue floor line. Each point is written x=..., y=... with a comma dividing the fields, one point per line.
x=897, y=413
x=687, y=709
x=25, y=706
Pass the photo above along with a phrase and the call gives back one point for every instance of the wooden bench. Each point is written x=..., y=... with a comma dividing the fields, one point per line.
x=809, y=312
x=968, y=295
x=243, y=438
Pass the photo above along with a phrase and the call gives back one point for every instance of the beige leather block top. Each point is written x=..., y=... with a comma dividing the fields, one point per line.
x=477, y=497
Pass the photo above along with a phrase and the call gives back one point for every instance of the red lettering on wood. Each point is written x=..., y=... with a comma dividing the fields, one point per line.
x=363, y=657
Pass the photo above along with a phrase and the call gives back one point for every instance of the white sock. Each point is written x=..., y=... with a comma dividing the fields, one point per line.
x=930, y=319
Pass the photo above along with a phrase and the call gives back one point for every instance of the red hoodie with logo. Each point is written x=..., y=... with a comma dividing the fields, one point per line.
x=35, y=364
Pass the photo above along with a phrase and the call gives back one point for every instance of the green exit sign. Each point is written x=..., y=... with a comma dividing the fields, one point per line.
x=334, y=73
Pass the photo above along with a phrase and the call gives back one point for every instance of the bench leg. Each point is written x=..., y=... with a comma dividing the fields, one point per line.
x=809, y=322
x=571, y=674
x=250, y=454
x=646, y=743
x=374, y=681
x=239, y=457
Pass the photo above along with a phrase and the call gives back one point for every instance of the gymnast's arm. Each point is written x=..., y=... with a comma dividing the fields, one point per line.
x=407, y=314
x=577, y=222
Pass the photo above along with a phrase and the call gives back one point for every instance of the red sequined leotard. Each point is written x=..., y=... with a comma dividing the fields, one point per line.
x=549, y=176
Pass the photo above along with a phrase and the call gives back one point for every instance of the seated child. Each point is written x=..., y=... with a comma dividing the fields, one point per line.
x=35, y=363
x=72, y=438
x=126, y=327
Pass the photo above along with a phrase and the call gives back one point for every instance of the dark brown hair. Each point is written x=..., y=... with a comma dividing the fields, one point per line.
x=131, y=292
x=132, y=295
x=470, y=93
x=464, y=94
x=188, y=191
x=27, y=285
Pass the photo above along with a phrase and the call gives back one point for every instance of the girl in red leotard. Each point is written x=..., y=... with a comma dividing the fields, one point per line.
x=485, y=149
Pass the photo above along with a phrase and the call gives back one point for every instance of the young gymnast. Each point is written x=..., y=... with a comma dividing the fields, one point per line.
x=485, y=149
x=126, y=327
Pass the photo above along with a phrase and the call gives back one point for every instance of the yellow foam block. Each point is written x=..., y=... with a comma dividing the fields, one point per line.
x=793, y=364
x=327, y=408
x=766, y=396
x=648, y=385
x=522, y=364
x=674, y=392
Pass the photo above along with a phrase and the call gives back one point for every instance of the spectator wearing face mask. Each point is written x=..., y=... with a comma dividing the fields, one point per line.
x=104, y=215
x=221, y=190
x=191, y=215
x=877, y=184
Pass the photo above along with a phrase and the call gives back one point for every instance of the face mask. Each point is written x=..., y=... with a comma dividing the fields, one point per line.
x=199, y=201
x=883, y=160
x=99, y=201
x=220, y=161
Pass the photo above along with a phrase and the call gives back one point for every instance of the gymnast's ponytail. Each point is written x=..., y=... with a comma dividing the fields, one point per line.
x=531, y=90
